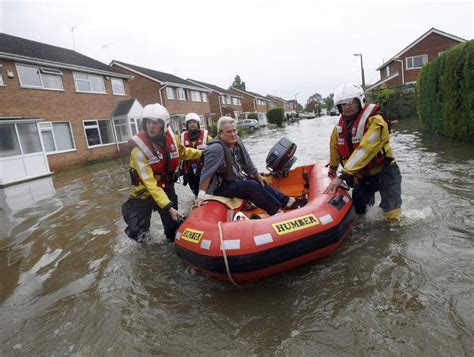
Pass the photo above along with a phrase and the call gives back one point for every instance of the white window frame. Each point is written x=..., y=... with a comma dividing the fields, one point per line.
x=195, y=96
x=412, y=58
x=89, y=81
x=98, y=128
x=1, y=80
x=120, y=84
x=181, y=93
x=126, y=124
x=204, y=97
x=40, y=71
x=170, y=93
x=387, y=71
x=135, y=123
x=42, y=127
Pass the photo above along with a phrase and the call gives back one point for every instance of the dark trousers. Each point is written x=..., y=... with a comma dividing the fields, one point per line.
x=264, y=197
x=137, y=214
x=388, y=183
x=193, y=181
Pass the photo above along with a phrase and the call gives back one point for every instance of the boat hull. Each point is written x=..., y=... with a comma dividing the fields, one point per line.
x=262, y=247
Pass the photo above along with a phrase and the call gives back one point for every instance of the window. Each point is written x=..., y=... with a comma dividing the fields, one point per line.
x=416, y=61
x=89, y=83
x=235, y=101
x=1, y=79
x=57, y=136
x=181, y=93
x=260, y=102
x=9, y=145
x=135, y=125
x=170, y=93
x=98, y=132
x=387, y=71
x=440, y=53
x=39, y=77
x=117, y=86
x=204, y=97
x=195, y=96
x=122, y=130
x=29, y=138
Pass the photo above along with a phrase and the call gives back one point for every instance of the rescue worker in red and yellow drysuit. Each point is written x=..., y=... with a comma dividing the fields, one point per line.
x=156, y=153
x=360, y=142
x=193, y=137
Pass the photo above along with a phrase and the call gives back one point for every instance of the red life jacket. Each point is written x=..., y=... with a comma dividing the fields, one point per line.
x=199, y=143
x=359, y=128
x=163, y=161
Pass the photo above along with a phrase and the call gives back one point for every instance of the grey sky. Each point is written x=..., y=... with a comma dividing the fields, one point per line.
x=277, y=47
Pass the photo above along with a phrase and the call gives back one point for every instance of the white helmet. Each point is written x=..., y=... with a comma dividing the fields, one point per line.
x=192, y=116
x=156, y=112
x=347, y=92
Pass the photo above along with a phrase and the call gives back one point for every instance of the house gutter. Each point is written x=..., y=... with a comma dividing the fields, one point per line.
x=220, y=103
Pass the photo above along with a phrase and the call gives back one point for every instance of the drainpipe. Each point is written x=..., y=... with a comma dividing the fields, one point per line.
x=219, y=99
x=403, y=71
x=161, y=96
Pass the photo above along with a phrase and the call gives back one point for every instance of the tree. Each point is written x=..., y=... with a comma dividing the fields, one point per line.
x=329, y=101
x=238, y=83
x=316, y=97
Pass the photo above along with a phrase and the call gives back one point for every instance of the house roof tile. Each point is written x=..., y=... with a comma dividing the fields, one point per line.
x=22, y=48
x=161, y=77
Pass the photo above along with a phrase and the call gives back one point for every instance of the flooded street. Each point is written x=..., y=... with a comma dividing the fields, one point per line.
x=72, y=283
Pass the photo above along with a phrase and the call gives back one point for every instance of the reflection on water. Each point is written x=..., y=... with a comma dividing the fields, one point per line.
x=72, y=283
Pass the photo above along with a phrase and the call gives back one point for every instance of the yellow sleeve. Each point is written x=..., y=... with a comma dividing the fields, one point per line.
x=186, y=153
x=334, y=157
x=372, y=142
x=139, y=162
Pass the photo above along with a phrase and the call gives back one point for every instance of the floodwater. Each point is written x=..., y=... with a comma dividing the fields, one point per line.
x=71, y=282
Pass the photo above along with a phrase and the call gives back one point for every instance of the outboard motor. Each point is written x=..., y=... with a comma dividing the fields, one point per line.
x=281, y=157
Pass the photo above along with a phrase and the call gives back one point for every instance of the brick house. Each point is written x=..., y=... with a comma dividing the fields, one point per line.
x=55, y=109
x=222, y=101
x=312, y=106
x=178, y=95
x=277, y=102
x=405, y=66
x=253, y=103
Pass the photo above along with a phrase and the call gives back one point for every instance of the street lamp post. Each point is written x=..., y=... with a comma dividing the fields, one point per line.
x=361, y=68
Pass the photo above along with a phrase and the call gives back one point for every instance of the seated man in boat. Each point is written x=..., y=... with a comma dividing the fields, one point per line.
x=360, y=142
x=229, y=171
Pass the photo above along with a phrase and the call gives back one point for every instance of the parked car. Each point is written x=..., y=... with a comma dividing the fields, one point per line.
x=249, y=124
x=333, y=111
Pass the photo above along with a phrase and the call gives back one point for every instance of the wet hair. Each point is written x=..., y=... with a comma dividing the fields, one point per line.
x=223, y=121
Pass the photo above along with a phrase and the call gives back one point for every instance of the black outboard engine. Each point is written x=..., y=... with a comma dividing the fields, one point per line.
x=281, y=157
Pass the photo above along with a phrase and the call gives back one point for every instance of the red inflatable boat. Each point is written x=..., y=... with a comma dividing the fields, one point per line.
x=213, y=241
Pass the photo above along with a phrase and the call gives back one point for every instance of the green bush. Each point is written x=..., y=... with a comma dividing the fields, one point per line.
x=396, y=103
x=276, y=116
x=252, y=116
x=445, y=93
x=213, y=129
